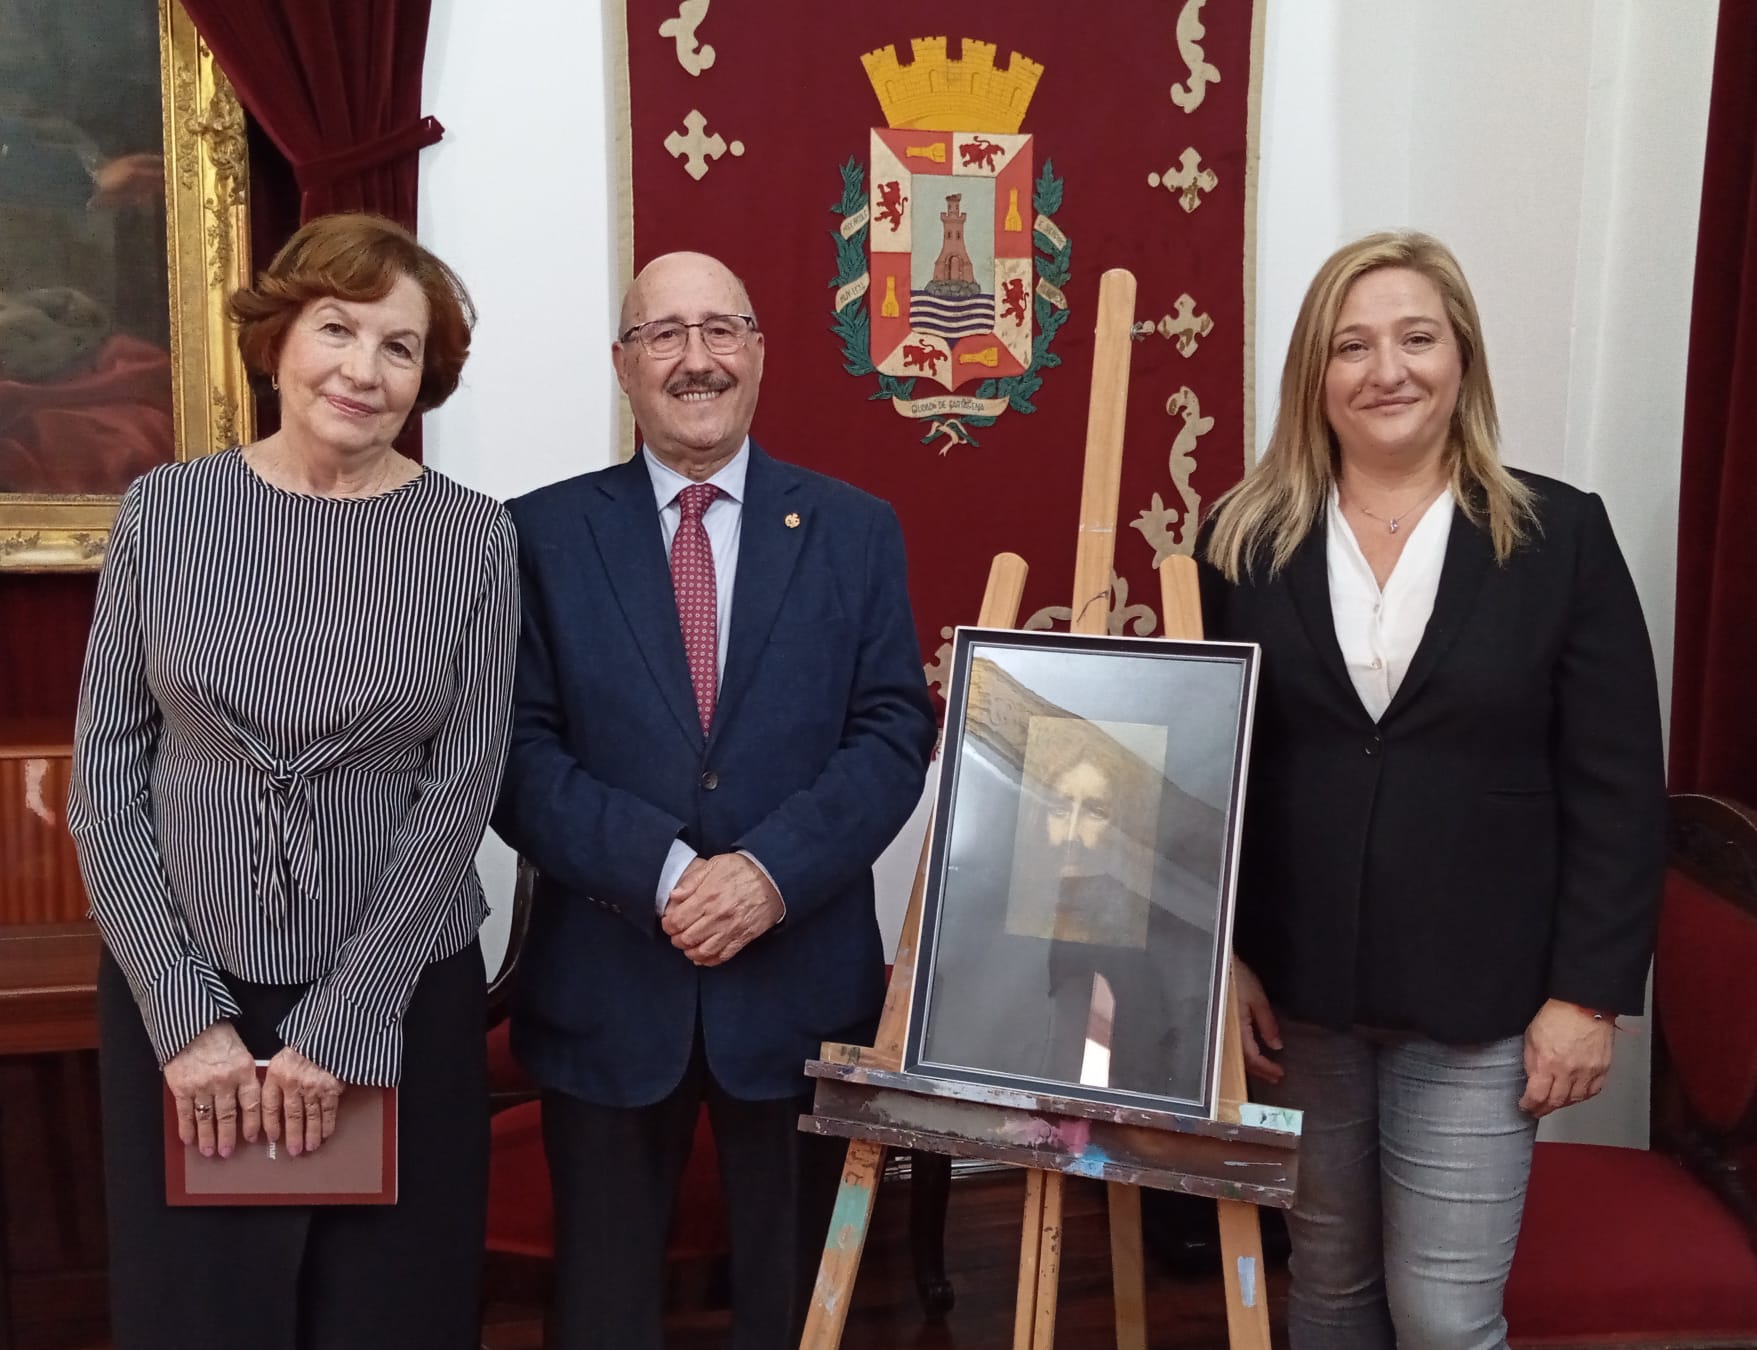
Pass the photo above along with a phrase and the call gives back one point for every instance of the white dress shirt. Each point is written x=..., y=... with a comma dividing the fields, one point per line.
x=1379, y=630
x=723, y=521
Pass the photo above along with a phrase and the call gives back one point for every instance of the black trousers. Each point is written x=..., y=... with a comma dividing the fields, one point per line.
x=331, y=1277
x=614, y=1172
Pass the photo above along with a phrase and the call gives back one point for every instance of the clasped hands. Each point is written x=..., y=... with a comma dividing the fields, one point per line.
x=1567, y=1048
x=296, y=1099
x=719, y=906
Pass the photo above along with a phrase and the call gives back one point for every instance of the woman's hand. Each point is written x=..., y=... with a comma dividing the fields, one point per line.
x=302, y=1094
x=1258, y=1030
x=213, y=1082
x=1567, y=1054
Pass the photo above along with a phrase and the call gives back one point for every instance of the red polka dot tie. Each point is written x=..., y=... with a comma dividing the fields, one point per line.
x=692, y=577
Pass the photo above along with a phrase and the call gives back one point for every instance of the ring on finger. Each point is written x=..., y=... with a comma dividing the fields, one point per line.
x=204, y=1109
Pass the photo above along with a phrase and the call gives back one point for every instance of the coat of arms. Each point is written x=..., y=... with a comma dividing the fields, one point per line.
x=951, y=267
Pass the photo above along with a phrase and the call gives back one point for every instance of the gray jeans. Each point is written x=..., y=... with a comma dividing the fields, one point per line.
x=1412, y=1171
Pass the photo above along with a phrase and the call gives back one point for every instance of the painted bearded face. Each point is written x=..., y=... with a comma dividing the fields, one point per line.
x=1080, y=819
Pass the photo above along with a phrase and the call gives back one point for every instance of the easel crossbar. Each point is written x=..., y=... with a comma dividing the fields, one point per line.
x=853, y=1068
x=1217, y=1168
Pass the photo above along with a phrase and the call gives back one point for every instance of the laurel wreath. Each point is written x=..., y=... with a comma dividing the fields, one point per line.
x=852, y=323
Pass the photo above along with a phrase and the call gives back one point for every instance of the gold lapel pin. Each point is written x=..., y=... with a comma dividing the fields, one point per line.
x=792, y=520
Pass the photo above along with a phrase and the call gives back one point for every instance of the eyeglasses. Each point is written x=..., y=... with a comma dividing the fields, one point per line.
x=722, y=334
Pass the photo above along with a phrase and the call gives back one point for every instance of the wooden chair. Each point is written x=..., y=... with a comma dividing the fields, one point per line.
x=1632, y=1247
x=521, y=1232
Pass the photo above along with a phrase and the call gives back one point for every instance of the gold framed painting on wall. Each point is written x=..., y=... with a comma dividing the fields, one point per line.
x=123, y=226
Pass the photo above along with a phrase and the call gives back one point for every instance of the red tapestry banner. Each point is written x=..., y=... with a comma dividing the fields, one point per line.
x=922, y=222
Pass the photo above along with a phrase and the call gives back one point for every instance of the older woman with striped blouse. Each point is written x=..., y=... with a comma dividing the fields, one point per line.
x=291, y=728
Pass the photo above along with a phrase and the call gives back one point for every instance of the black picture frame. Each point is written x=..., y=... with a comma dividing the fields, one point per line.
x=1078, y=907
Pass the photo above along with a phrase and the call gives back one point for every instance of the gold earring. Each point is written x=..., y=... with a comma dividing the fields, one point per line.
x=274, y=383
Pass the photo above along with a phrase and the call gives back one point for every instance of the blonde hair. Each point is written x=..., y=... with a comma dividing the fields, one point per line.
x=1272, y=510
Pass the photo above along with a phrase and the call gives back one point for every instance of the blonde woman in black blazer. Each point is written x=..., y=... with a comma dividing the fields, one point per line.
x=1455, y=843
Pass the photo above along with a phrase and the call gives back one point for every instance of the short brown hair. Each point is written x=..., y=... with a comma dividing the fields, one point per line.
x=359, y=257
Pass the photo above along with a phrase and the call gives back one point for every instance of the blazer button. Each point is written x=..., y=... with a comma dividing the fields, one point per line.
x=1373, y=745
x=709, y=780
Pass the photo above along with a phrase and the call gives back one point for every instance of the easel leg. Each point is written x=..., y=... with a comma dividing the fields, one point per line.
x=1241, y=1261
x=846, y=1240
x=1241, y=1231
x=1127, y=1269
x=1040, y=1262
x=834, y=1289
x=1049, y=1262
x=1030, y=1253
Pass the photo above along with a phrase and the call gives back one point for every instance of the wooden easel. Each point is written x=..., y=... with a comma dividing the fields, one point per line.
x=1244, y=1159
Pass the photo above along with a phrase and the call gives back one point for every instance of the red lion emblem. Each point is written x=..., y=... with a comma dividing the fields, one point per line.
x=1013, y=300
x=979, y=153
x=922, y=357
x=891, y=203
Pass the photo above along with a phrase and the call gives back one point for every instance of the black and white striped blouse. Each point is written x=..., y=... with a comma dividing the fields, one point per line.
x=291, y=729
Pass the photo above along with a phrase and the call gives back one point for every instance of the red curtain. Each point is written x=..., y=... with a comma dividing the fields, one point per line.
x=1714, y=709
x=336, y=84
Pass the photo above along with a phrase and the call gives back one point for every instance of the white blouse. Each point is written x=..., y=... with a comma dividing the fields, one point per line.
x=1379, y=631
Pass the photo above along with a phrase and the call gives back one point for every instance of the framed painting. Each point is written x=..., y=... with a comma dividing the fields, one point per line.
x=1078, y=907
x=123, y=226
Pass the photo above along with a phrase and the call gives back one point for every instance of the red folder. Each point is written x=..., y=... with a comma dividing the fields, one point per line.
x=357, y=1165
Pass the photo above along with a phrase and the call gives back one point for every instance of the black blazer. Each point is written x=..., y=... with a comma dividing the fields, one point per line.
x=1498, y=836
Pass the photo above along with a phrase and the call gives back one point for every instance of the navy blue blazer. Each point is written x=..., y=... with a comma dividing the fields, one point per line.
x=1498, y=836
x=819, y=747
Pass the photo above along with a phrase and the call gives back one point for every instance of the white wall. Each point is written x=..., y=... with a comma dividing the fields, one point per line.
x=1556, y=147
x=517, y=198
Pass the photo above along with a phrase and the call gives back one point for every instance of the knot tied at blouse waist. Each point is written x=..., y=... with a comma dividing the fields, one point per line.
x=284, y=862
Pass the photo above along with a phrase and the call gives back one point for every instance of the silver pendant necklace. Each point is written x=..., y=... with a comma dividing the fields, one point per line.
x=1389, y=522
x=1392, y=523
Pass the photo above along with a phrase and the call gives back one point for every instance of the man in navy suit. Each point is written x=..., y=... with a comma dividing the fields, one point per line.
x=720, y=721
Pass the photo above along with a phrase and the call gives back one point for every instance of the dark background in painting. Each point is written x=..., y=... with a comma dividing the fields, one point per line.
x=85, y=369
x=79, y=87
x=787, y=81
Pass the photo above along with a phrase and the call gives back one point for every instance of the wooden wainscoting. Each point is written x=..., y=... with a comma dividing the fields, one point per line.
x=52, y=1245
